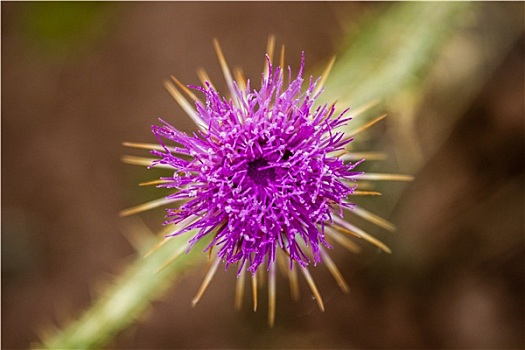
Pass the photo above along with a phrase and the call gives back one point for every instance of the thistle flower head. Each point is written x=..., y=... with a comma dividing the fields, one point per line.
x=260, y=176
x=264, y=180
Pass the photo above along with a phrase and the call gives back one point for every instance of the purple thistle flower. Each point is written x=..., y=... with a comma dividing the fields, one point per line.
x=266, y=178
x=260, y=177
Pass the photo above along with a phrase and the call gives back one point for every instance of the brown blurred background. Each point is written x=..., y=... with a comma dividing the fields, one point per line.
x=78, y=79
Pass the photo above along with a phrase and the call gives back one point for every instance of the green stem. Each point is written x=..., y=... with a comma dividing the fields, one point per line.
x=392, y=51
x=128, y=298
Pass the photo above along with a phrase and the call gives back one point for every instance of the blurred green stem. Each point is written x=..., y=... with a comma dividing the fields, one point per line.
x=420, y=51
x=128, y=297
x=393, y=50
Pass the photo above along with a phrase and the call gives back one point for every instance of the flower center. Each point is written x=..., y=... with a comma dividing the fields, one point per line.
x=258, y=174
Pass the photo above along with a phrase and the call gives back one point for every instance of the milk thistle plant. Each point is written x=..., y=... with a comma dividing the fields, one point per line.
x=265, y=180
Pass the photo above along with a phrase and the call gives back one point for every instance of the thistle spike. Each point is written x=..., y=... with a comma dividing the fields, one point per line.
x=270, y=47
x=167, y=231
x=344, y=241
x=313, y=287
x=184, y=104
x=373, y=218
x=365, y=193
x=146, y=206
x=185, y=89
x=271, y=296
x=359, y=233
x=239, y=289
x=281, y=57
x=174, y=257
x=154, y=182
x=142, y=161
x=351, y=134
x=254, y=292
x=363, y=108
x=324, y=75
x=204, y=77
x=224, y=66
x=384, y=177
x=207, y=280
x=355, y=156
x=334, y=271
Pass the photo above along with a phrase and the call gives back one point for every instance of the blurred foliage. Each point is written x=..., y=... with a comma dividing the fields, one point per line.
x=384, y=56
x=58, y=27
x=388, y=58
x=417, y=50
x=130, y=295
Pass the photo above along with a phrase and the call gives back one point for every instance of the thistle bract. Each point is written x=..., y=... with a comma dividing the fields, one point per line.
x=262, y=174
